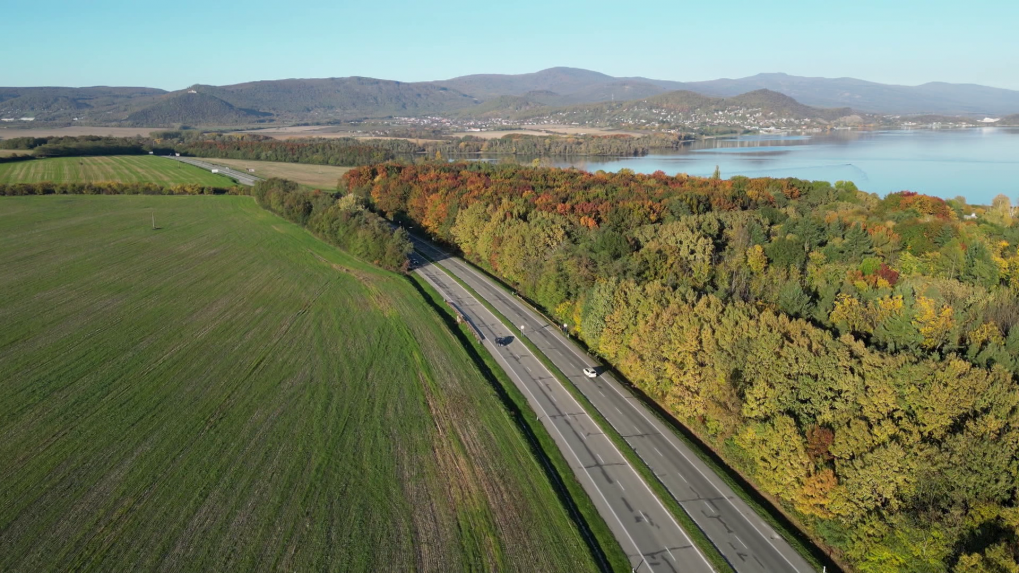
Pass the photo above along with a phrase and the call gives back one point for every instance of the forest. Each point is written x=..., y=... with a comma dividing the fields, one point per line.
x=353, y=152
x=543, y=146
x=338, y=151
x=854, y=356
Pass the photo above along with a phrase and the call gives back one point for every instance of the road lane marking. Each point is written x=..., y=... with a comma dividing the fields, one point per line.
x=698, y=470
x=628, y=465
x=671, y=517
x=577, y=458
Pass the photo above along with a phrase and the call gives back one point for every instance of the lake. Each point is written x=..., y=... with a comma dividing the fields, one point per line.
x=976, y=163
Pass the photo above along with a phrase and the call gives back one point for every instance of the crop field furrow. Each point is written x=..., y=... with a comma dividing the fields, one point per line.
x=132, y=165
x=126, y=168
x=229, y=393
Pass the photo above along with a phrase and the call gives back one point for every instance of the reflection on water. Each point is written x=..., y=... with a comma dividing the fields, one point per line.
x=977, y=163
x=745, y=148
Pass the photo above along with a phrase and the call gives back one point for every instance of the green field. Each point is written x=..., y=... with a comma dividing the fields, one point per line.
x=309, y=175
x=227, y=393
x=124, y=168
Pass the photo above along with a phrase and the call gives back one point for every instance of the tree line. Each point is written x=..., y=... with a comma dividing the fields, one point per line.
x=85, y=145
x=318, y=152
x=542, y=146
x=112, y=188
x=339, y=151
x=855, y=356
x=342, y=221
x=344, y=152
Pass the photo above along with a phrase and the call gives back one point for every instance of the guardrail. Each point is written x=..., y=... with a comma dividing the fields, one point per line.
x=461, y=317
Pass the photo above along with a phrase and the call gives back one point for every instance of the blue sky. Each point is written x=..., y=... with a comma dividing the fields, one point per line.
x=172, y=44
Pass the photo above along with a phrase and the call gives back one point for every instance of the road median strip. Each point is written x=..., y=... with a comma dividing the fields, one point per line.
x=696, y=535
x=763, y=507
x=603, y=544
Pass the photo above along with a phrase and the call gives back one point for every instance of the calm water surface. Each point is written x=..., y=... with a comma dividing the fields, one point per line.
x=976, y=163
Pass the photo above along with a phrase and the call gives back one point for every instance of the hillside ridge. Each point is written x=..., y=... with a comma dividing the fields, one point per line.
x=323, y=100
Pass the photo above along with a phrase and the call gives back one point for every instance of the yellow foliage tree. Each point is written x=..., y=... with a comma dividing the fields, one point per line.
x=780, y=455
x=934, y=324
x=756, y=259
x=887, y=307
x=814, y=496
x=986, y=332
x=850, y=313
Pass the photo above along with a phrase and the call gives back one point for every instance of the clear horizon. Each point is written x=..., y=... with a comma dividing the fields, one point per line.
x=178, y=88
x=172, y=46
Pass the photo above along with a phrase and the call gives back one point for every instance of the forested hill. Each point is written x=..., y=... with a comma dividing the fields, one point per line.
x=193, y=109
x=290, y=100
x=508, y=106
x=558, y=86
x=297, y=100
x=930, y=98
x=68, y=103
x=348, y=98
x=856, y=357
x=584, y=86
x=783, y=105
x=495, y=95
x=559, y=80
x=676, y=107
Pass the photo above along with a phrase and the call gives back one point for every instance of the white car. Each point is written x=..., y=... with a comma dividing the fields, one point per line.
x=590, y=372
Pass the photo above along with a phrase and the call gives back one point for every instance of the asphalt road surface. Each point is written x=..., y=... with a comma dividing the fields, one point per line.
x=748, y=543
x=646, y=531
x=238, y=176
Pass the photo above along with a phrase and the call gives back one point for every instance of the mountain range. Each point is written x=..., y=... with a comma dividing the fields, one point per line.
x=584, y=86
x=483, y=95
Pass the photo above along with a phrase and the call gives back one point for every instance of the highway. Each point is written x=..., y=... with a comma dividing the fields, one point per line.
x=644, y=528
x=748, y=543
x=238, y=176
x=647, y=532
